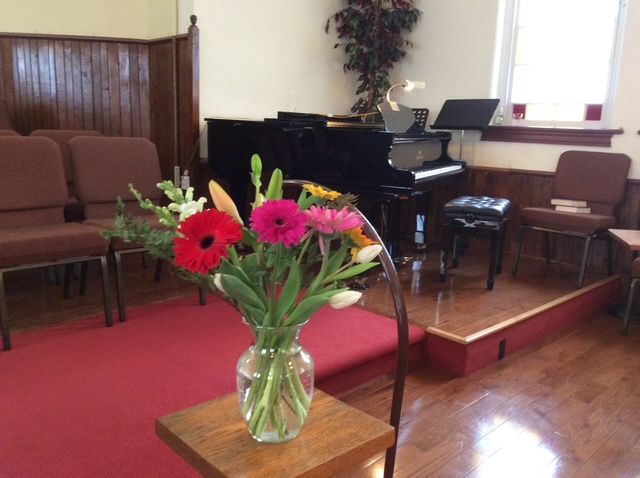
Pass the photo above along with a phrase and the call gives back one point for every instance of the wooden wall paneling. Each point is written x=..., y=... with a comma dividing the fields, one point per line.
x=61, y=90
x=114, y=89
x=134, y=86
x=125, y=89
x=117, y=86
x=8, y=68
x=68, y=84
x=104, y=81
x=62, y=82
x=143, y=78
x=96, y=86
x=161, y=103
x=86, y=84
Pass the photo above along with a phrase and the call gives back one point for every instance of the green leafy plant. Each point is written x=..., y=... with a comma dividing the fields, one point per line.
x=372, y=35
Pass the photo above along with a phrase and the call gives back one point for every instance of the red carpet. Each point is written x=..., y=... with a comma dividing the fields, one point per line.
x=80, y=399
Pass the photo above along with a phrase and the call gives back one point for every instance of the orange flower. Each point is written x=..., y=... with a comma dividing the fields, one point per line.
x=359, y=238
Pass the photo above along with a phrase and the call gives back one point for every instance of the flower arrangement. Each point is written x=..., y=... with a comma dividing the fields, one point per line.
x=291, y=260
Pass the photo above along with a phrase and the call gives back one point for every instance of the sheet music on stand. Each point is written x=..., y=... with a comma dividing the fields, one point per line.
x=397, y=117
x=462, y=115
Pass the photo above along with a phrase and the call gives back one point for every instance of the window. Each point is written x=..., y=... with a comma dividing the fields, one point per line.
x=559, y=62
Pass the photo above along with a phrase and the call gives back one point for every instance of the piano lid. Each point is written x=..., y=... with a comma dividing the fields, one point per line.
x=370, y=121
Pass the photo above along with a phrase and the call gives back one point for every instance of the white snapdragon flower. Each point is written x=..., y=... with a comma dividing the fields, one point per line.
x=188, y=208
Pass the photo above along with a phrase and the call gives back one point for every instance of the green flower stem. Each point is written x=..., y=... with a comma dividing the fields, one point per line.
x=303, y=251
x=264, y=403
x=323, y=268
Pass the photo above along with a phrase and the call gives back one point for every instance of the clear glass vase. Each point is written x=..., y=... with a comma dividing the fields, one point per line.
x=275, y=384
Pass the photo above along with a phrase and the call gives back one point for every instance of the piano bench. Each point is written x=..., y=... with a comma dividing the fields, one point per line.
x=479, y=216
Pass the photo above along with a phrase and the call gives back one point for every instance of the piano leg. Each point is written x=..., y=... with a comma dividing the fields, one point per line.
x=423, y=204
x=390, y=225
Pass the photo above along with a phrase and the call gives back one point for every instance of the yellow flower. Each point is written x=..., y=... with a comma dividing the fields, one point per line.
x=223, y=201
x=358, y=237
x=321, y=192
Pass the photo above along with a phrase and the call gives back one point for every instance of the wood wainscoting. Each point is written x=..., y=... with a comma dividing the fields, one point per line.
x=120, y=87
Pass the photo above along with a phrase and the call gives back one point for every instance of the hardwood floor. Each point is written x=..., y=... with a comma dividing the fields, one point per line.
x=568, y=407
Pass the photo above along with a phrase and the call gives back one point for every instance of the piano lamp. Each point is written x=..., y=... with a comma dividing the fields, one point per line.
x=407, y=85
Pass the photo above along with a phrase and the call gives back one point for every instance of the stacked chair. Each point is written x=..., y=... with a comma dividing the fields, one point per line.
x=33, y=233
x=103, y=168
x=72, y=209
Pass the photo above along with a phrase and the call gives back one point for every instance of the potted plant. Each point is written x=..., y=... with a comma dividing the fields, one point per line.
x=372, y=35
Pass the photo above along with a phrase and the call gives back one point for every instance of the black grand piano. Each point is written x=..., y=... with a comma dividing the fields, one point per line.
x=382, y=168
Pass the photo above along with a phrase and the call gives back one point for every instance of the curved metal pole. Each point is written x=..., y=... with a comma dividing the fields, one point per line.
x=402, y=321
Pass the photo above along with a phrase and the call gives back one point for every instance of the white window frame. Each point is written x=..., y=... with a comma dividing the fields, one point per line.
x=507, y=58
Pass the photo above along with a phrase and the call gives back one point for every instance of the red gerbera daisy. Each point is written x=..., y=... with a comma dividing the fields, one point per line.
x=207, y=236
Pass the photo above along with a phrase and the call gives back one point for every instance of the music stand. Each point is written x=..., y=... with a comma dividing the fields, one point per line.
x=465, y=114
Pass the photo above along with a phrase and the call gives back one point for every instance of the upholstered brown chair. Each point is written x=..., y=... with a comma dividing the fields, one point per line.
x=33, y=232
x=597, y=178
x=5, y=119
x=73, y=211
x=103, y=168
x=8, y=132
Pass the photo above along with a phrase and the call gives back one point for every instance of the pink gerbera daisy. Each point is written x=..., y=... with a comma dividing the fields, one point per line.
x=330, y=221
x=279, y=222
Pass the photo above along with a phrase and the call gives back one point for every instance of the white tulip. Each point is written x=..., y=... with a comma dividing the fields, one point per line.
x=368, y=253
x=218, y=283
x=345, y=299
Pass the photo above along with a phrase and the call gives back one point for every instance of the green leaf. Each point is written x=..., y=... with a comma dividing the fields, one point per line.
x=336, y=260
x=306, y=308
x=241, y=292
x=353, y=271
x=274, y=191
x=289, y=293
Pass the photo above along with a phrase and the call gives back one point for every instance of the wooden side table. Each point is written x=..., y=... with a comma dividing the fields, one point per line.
x=630, y=239
x=213, y=438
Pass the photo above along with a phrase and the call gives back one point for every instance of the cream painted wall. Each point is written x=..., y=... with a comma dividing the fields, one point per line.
x=259, y=57
x=143, y=19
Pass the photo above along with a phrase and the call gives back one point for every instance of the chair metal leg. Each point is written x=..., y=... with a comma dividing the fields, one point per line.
x=106, y=296
x=547, y=248
x=83, y=277
x=633, y=289
x=585, y=259
x=119, y=287
x=202, y=295
x=66, y=283
x=4, y=320
x=518, y=250
x=493, y=258
x=609, y=255
x=158, y=273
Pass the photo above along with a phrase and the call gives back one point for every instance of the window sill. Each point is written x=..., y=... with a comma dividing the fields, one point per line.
x=535, y=134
